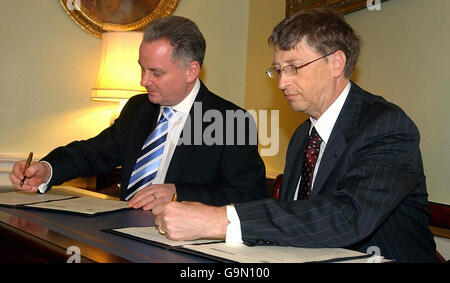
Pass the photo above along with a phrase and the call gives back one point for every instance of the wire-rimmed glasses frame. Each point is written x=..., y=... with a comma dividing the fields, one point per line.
x=290, y=70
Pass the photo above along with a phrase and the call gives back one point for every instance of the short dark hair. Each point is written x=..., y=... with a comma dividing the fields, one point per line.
x=323, y=29
x=183, y=34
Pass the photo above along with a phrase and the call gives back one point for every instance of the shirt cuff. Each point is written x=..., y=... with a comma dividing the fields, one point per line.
x=44, y=186
x=233, y=235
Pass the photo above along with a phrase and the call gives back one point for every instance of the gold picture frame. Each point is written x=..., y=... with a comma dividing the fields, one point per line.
x=340, y=6
x=99, y=16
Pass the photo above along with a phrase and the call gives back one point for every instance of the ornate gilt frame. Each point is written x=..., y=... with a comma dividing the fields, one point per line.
x=96, y=26
x=340, y=6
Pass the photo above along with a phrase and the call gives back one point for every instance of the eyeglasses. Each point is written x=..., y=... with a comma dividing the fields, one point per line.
x=290, y=70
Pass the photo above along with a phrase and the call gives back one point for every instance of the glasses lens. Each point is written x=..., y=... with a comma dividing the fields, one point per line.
x=272, y=73
x=290, y=70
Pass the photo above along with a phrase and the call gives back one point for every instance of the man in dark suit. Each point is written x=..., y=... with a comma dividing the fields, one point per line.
x=174, y=139
x=353, y=176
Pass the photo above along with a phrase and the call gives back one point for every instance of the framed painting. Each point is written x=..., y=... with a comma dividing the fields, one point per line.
x=341, y=6
x=99, y=16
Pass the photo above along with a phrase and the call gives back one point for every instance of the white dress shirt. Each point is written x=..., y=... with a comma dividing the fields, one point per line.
x=176, y=124
x=324, y=125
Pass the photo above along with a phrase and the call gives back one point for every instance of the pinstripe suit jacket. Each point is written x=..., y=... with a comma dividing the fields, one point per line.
x=369, y=191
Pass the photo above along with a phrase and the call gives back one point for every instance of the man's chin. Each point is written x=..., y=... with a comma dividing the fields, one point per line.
x=296, y=107
x=155, y=99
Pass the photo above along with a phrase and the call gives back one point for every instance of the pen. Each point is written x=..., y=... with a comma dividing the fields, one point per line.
x=30, y=157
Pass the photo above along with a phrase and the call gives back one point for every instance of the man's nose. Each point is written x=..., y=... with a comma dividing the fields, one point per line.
x=145, y=79
x=282, y=80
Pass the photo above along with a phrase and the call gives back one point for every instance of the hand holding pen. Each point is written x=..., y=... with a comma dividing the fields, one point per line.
x=28, y=175
x=30, y=157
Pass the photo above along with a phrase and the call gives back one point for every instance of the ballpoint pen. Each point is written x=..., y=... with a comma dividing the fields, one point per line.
x=30, y=157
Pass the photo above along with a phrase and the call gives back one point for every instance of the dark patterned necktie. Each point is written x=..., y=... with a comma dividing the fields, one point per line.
x=309, y=162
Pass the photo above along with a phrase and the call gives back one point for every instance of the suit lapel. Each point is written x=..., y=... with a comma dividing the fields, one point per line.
x=343, y=129
x=336, y=146
x=183, y=152
x=294, y=162
x=148, y=117
x=180, y=158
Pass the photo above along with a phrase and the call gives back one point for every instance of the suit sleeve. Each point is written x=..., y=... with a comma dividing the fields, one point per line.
x=90, y=157
x=375, y=176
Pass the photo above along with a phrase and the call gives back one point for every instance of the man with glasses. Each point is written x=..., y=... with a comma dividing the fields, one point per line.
x=353, y=176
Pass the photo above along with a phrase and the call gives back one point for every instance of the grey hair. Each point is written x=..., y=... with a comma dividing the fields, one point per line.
x=183, y=34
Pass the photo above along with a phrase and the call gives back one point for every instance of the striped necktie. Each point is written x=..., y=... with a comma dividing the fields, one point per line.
x=149, y=159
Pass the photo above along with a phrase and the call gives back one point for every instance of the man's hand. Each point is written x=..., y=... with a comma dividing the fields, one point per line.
x=155, y=194
x=191, y=220
x=36, y=174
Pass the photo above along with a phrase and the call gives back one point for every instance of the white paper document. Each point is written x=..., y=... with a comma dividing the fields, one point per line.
x=242, y=253
x=151, y=234
x=21, y=198
x=273, y=254
x=83, y=205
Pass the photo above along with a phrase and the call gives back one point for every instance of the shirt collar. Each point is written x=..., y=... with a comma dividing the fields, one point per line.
x=324, y=125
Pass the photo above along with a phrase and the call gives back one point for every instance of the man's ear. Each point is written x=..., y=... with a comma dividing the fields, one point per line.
x=338, y=63
x=193, y=70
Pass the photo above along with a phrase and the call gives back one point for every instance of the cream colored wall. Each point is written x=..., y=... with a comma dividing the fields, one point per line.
x=405, y=58
x=49, y=64
x=224, y=26
x=261, y=92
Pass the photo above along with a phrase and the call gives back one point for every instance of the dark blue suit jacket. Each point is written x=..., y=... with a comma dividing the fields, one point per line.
x=369, y=190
